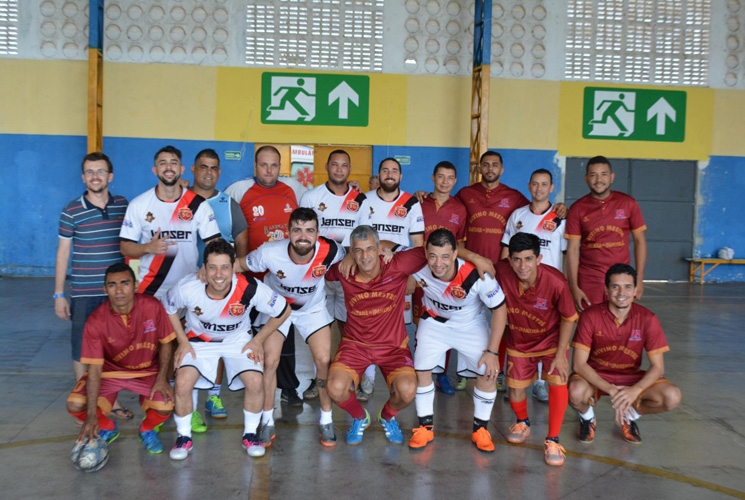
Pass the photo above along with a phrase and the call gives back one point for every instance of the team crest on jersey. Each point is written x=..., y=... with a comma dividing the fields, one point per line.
x=322, y=207
x=236, y=309
x=585, y=219
x=541, y=304
x=599, y=333
x=281, y=275
x=549, y=225
x=197, y=311
x=519, y=225
x=407, y=306
x=636, y=335
x=288, y=208
x=353, y=206
x=422, y=283
x=149, y=325
x=400, y=212
x=372, y=211
x=319, y=271
x=457, y=292
x=454, y=219
x=620, y=213
x=504, y=203
x=110, y=340
x=185, y=214
x=149, y=217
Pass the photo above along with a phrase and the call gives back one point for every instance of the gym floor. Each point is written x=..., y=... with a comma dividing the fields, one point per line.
x=694, y=452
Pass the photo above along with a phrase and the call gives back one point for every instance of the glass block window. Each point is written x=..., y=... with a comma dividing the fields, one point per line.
x=8, y=27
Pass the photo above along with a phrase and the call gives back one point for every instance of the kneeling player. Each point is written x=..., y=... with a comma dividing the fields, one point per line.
x=126, y=345
x=608, y=350
x=453, y=317
x=218, y=326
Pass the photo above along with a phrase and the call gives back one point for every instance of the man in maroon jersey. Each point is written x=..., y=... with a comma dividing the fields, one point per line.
x=608, y=348
x=597, y=233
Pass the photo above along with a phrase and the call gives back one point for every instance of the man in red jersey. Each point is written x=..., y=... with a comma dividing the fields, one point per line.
x=541, y=318
x=597, y=233
x=127, y=346
x=608, y=348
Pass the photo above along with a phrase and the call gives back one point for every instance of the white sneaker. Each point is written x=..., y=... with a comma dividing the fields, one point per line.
x=367, y=385
x=540, y=391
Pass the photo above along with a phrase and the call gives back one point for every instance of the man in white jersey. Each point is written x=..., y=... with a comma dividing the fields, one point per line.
x=162, y=225
x=218, y=326
x=296, y=271
x=539, y=218
x=454, y=317
x=397, y=217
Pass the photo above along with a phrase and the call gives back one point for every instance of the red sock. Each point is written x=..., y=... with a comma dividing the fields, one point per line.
x=520, y=409
x=558, y=397
x=387, y=413
x=502, y=353
x=81, y=415
x=104, y=422
x=152, y=420
x=353, y=407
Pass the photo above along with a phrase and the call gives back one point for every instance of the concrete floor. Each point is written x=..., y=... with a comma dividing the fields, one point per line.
x=694, y=452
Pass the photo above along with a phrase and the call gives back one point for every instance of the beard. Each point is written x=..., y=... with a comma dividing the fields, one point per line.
x=302, y=251
x=170, y=183
x=388, y=189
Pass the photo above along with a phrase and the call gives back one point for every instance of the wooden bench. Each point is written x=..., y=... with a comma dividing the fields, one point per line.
x=698, y=267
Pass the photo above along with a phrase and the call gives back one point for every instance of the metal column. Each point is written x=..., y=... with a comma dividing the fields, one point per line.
x=95, y=76
x=480, y=85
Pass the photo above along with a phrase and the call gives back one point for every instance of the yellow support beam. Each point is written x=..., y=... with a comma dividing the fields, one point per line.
x=95, y=100
x=479, y=118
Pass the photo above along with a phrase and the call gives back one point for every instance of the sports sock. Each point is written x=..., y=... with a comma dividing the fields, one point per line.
x=520, y=409
x=588, y=415
x=558, y=397
x=326, y=417
x=353, y=407
x=215, y=391
x=387, y=413
x=427, y=421
x=483, y=402
x=478, y=424
x=267, y=417
x=104, y=422
x=370, y=373
x=251, y=421
x=152, y=420
x=81, y=415
x=539, y=370
x=195, y=399
x=425, y=400
x=183, y=424
x=633, y=414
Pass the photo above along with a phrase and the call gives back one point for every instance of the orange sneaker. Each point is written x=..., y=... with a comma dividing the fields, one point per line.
x=518, y=433
x=482, y=439
x=553, y=453
x=586, y=433
x=631, y=433
x=422, y=436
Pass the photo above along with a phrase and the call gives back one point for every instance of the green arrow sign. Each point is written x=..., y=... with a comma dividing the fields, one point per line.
x=315, y=99
x=634, y=114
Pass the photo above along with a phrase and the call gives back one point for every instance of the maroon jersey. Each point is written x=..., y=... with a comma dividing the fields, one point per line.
x=375, y=310
x=450, y=215
x=488, y=211
x=126, y=345
x=617, y=349
x=534, y=315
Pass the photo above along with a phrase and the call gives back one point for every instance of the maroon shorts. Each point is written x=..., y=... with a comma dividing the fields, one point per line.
x=523, y=371
x=621, y=380
x=354, y=358
x=110, y=387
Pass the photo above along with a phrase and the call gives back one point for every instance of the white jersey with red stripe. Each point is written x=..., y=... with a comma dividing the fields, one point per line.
x=214, y=320
x=182, y=221
x=338, y=215
x=301, y=284
x=547, y=226
x=460, y=300
x=394, y=220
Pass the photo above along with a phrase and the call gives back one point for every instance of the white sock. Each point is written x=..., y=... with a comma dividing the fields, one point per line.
x=425, y=400
x=633, y=414
x=267, y=417
x=251, y=421
x=483, y=402
x=589, y=415
x=195, y=398
x=370, y=373
x=215, y=391
x=183, y=424
x=326, y=417
x=540, y=370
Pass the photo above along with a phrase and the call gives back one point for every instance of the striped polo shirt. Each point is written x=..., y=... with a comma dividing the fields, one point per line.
x=95, y=241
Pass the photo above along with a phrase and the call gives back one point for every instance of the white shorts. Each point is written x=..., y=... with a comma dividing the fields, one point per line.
x=408, y=310
x=434, y=339
x=335, y=300
x=306, y=322
x=209, y=354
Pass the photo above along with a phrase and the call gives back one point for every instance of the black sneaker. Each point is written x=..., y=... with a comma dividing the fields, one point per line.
x=290, y=397
x=586, y=433
x=631, y=433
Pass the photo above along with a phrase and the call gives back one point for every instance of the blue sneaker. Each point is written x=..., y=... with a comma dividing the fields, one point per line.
x=443, y=383
x=214, y=407
x=354, y=436
x=151, y=442
x=392, y=431
x=109, y=436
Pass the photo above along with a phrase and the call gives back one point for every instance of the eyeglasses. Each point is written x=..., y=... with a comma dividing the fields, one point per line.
x=91, y=173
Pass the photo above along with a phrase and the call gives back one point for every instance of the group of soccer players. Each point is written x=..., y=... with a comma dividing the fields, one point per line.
x=486, y=266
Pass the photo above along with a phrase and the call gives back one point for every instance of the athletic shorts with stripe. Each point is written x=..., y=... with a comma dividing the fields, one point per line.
x=110, y=387
x=523, y=370
x=353, y=358
x=306, y=322
x=620, y=380
x=208, y=358
x=434, y=339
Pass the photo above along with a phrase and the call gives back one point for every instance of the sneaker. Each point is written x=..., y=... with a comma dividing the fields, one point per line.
x=109, y=435
x=501, y=382
x=361, y=395
x=267, y=435
x=422, y=437
x=367, y=385
x=540, y=391
x=214, y=407
x=197, y=424
x=151, y=442
x=586, y=433
x=182, y=448
x=253, y=445
x=461, y=384
x=312, y=391
x=631, y=433
x=357, y=429
x=518, y=433
x=482, y=439
x=290, y=397
x=392, y=430
x=553, y=453
x=443, y=383
x=328, y=436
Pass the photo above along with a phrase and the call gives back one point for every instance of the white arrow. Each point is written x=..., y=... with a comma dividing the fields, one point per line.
x=343, y=93
x=661, y=110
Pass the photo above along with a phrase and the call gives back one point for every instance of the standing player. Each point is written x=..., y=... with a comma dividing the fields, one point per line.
x=454, y=301
x=539, y=218
x=234, y=230
x=296, y=271
x=541, y=317
x=89, y=229
x=219, y=328
x=598, y=227
x=608, y=348
x=127, y=346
